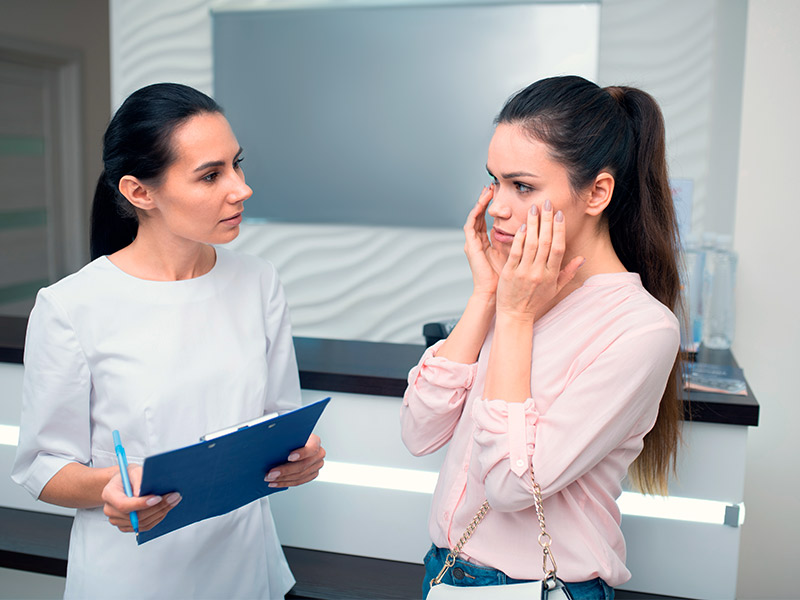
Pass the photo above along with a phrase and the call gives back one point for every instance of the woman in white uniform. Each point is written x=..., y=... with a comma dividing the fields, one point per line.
x=164, y=337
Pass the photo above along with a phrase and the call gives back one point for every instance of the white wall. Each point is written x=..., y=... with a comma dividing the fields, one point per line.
x=768, y=326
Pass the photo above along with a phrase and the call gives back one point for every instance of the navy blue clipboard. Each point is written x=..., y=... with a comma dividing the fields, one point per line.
x=217, y=476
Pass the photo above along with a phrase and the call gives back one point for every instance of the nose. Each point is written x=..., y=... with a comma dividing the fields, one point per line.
x=239, y=191
x=499, y=208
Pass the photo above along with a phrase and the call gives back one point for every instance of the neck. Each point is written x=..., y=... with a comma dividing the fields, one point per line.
x=157, y=258
x=599, y=254
x=600, y=258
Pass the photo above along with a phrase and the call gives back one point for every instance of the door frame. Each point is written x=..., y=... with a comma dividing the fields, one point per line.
x=67, y=207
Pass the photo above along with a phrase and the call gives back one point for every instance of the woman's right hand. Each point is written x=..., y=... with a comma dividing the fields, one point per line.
x=485, y=261
x=151, y=510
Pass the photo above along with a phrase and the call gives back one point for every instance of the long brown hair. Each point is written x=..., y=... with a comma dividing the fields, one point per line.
x=620, y=130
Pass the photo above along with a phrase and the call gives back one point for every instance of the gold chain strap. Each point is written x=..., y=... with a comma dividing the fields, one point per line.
x=544, y=538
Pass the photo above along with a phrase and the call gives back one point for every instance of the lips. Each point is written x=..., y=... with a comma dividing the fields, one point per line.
x=234, y=219
x=501, y=236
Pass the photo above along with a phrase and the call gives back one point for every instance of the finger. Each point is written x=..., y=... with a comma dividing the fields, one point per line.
x=476, y=220
x=149, y=517
x=532, y=236
x=299, y=478
x=295, y=482
x=289, y=471
x=567, y=273
x=154, y=517
x=135, y=476
x=517, y=246
x=559, y=244
x=545, y=234
x=311, y=448
x=121, y=505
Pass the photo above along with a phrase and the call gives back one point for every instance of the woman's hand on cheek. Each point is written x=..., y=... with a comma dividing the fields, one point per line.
x=151, y=510
x=532, y=276
x=484, y=261
x=303, y=466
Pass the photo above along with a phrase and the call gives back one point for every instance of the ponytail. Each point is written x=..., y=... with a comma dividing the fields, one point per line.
x=137, y=142
x=113, y=224
x=619, y=130
x=646, y=240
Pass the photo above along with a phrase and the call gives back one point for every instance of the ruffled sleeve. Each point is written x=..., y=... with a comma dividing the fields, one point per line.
x=434, y=400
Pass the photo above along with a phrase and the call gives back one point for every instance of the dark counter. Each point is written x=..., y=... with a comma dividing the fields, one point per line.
x=381, y=369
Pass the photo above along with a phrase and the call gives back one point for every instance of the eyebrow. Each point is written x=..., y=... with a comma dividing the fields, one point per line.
x=217, y=163
x=513, y=175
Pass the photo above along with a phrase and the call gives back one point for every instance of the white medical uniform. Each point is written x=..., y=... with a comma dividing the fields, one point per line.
x=163, y=362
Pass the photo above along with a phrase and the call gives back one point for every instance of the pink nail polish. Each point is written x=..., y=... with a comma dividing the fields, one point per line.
x=547, y=205
x=293, y=457
x=523, y=227
x=559, y=217
x=153, y=500
x=534, y=210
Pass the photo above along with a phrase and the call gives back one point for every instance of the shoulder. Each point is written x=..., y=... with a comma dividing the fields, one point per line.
x=79, y=287
x=620, y=308
x=249, y=265
x=623, y=296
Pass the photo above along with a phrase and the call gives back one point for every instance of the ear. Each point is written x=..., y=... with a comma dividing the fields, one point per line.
x=600, y=192
x=136, y=192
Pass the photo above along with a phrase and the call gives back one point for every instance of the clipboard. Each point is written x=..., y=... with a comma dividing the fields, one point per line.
x=222, y=474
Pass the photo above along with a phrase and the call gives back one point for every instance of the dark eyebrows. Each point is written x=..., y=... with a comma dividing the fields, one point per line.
x=217, y=163
x=512, y=175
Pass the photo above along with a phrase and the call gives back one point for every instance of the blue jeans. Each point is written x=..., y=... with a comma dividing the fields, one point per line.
x=465, y=573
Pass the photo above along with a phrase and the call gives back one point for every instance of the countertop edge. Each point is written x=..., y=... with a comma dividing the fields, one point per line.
x=381, y=369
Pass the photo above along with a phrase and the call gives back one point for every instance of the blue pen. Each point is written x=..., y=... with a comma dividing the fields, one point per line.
x=123, y=472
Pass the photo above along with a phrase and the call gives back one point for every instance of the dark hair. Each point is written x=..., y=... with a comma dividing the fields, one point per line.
x=138, y=142
x=619, y=130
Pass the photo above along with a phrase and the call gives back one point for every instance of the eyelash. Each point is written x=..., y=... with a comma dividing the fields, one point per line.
x=522, y=188
x=237, y=164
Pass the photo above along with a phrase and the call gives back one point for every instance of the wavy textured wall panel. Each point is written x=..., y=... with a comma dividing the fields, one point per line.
x=366, y=283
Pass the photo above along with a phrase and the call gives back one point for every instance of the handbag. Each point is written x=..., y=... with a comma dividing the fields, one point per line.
x=550, y=587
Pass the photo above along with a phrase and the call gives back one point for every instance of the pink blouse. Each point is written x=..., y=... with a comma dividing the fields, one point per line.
x=601, y=360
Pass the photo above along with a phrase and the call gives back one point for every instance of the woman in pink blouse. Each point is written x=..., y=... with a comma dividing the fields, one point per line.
x=565, y=357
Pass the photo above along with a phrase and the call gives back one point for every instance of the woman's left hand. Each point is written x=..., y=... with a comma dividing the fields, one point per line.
x=532, y=276
x=303, y=466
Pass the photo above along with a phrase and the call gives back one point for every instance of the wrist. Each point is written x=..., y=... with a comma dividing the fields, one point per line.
x=515, y=318
x=484, y=299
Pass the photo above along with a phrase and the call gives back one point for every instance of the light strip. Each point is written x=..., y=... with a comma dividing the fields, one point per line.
x=676, y=508
x=630, y=503
x=387, y=478
x=9, y=435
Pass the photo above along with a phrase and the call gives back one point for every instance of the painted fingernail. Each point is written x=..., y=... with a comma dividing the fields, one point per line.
x=293, y=457
x=272, y=476
x=174, y=498
x=534, y=210
x=559, y=217
x=153, y=500
x=273, y=485
x=523, y=227
x=547, y=205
